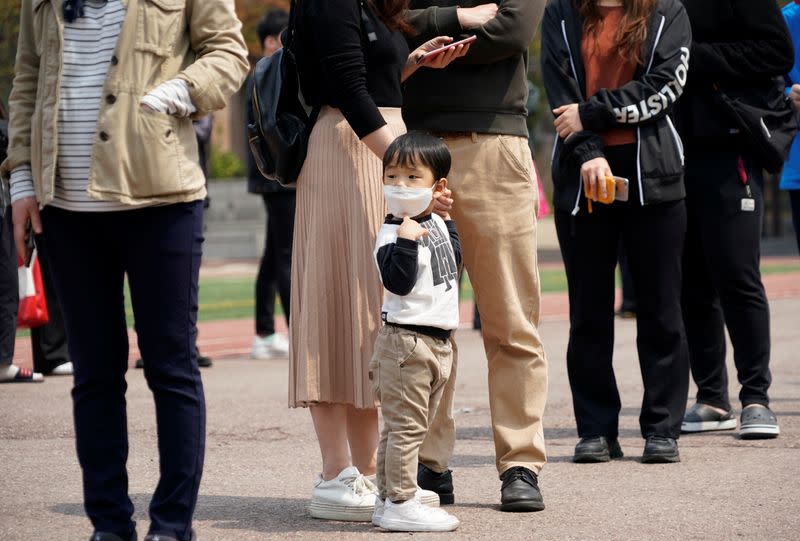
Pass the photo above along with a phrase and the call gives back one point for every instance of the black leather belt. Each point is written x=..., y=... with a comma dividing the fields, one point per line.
x=433, y=332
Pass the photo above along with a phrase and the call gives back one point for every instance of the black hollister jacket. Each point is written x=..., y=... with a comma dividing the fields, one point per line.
x=644, y=103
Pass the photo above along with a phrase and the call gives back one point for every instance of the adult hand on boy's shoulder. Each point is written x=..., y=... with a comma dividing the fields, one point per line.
x=443, y=203
x=411, y=230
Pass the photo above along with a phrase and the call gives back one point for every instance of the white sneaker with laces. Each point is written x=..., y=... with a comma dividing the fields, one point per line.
x=413, y=516
x=269, y=347
x=425, y=497
x=64, y=369
x=347, y=497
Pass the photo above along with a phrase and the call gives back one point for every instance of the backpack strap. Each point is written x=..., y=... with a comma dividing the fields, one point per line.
x=366, y=27
x=288, y=38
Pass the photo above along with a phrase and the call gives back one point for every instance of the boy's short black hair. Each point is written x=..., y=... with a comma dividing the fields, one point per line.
x=273, y=23
x=423, y=148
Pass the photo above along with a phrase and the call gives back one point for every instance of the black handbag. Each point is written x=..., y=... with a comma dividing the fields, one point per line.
x=765, y=116
x=278, y=124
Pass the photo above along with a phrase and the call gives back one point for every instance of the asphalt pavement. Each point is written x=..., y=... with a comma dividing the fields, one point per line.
x=261, y=459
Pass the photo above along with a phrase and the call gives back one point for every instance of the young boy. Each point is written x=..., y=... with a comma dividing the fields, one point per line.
x=418, y=254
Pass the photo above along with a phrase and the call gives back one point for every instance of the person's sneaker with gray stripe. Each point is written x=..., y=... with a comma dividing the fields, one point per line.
x=758, y=423
x=704, y=418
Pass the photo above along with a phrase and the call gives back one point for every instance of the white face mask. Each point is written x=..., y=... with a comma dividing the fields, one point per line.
x=409, y=202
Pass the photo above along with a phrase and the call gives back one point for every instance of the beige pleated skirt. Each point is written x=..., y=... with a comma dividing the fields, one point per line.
x=336, y=290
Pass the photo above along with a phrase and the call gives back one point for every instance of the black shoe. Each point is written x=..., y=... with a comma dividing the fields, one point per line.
x=660, y=450
x=440, y=483
x=758, y=423
x=596, y=449
x=108, y=536
x=162, y=537
x=520, y=492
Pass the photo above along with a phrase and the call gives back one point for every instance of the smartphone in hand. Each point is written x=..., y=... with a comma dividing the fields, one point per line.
x=621, y=188
x=424, y=58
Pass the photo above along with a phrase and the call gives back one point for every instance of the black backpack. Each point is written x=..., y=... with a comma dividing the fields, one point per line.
x=278, y=125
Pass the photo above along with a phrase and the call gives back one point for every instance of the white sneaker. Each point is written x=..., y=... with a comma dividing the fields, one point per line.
x=347, y=497
x=425, y=497
x=268, y=347
x=64, y=369
x=412, y=516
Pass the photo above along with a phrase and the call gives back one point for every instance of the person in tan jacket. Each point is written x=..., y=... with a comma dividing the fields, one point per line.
x=104, y=172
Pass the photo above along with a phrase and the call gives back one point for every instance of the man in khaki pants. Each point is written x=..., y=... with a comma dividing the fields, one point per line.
x=477, y=106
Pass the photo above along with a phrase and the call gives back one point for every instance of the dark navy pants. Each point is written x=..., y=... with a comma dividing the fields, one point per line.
x=9, y=290
x=159, y=249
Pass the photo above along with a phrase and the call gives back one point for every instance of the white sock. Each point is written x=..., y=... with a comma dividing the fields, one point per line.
x=8, y=372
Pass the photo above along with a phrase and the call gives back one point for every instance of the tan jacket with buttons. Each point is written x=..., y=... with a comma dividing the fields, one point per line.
x=138, y=157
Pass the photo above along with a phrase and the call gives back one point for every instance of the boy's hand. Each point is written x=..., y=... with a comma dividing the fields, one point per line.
x=443, y=203
x=411, y=230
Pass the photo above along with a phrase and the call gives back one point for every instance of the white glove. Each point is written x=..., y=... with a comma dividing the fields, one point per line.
x=171, y=97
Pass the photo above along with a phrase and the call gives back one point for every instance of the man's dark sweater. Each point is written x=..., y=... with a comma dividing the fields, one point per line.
x=487, y=90
x=734, y=43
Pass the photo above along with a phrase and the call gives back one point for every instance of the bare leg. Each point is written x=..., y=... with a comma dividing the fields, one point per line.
x=330, y=423
x=362, y=435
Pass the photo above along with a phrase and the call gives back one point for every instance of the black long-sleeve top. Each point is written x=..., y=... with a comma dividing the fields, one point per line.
x=734, y=42
x=349, y=63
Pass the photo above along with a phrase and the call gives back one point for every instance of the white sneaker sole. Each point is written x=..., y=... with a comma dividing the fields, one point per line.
x=755, y=432
x=708, y=426
x=333, y=511
x=400, y=525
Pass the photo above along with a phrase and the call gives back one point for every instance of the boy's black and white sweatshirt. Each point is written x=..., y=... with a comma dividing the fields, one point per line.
x=420, y=277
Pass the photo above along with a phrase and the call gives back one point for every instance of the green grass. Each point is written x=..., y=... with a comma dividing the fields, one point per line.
x=780, y=268
x=233, y=297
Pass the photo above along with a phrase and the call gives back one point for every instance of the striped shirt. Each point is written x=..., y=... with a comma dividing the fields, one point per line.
x=89, y=44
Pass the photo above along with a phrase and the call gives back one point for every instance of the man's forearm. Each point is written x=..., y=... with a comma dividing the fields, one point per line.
x=431, y=22
x=509, y=33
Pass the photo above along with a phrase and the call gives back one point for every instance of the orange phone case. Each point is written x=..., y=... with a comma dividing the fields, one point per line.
x=611, y=191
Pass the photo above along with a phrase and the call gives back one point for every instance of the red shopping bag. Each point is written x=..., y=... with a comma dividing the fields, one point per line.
x=32, y=304
x=544, y=208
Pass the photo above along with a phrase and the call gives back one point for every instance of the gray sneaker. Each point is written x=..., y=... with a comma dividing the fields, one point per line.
x=704, y=418
x=758, y=423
